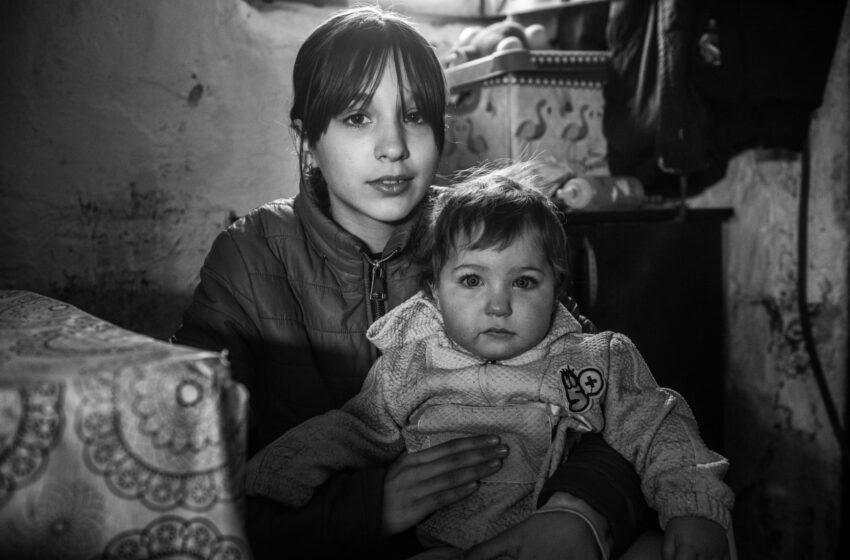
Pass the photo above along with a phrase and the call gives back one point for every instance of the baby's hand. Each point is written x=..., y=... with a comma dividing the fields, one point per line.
x=692, y=538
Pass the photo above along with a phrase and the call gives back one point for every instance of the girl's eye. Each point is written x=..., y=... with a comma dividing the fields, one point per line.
x=525, y=282
x=414, y=117
x=356, y=119
x=470, y=281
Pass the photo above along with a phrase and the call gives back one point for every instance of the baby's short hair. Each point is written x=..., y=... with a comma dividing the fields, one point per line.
x=492, y=208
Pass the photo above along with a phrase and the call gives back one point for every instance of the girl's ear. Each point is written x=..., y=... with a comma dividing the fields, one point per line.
x=298, y=128
x=299, y=134
x=308, y=161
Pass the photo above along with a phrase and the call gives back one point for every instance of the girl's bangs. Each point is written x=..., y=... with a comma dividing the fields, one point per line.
x=353, y=78
x=344, y=80
x=361, y=76
x=422, y=74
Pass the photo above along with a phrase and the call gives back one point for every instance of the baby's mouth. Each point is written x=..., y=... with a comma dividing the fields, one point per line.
x=499, y=332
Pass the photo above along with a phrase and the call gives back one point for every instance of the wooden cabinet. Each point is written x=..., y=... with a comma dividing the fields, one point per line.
x=656, y=276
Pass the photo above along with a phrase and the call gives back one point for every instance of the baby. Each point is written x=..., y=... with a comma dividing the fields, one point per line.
x=486, y=348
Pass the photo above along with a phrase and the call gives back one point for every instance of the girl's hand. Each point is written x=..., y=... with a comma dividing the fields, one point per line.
x=692, y=538
x=418, y=484
x=552, y=535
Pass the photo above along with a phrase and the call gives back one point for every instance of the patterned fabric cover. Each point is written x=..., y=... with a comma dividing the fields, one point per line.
x=113, y=444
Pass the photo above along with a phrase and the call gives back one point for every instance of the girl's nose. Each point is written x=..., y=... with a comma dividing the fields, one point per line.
x=498, y=304
x=391, y=143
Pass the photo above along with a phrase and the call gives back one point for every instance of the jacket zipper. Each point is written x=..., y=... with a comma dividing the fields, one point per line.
x=378, y=285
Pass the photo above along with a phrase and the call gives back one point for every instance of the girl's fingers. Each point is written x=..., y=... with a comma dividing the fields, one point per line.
x=432, y=502
x=455, y=446
x=450, y=456
x=454, y=470
x=448, y=481
x=417, y=484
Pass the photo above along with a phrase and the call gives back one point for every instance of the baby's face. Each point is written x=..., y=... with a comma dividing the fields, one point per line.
x=497, y=303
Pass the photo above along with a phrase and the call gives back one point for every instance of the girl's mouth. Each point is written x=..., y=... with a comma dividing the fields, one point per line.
x=392, y=184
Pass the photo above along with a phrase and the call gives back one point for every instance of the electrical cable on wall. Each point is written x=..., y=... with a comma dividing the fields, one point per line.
x=805, y=319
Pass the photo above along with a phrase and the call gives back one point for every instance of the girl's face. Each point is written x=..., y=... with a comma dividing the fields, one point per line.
x=497, y=304
x=378, y=161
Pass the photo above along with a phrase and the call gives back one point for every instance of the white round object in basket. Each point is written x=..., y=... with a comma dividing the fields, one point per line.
x=509, y=43
x=537, y=37
x=467, y=33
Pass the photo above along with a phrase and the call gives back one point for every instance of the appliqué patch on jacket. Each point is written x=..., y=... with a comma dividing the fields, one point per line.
x=582, y=387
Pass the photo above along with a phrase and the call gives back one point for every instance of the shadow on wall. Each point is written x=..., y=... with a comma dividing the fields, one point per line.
x=784, y=498
x=115, y=254
x=128, y=301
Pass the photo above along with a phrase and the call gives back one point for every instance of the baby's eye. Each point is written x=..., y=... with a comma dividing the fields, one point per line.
x=356, y=119
x=470, y=281
x=525, y=282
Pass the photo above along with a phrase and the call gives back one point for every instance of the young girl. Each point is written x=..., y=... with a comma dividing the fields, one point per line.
x=290, y=290
x=489, y=348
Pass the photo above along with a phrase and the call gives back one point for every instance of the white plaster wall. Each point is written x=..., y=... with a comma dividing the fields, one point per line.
x=132, y=131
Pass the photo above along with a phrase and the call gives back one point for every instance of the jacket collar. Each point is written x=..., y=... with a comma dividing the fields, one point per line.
x=331, y=240
x=419, y=319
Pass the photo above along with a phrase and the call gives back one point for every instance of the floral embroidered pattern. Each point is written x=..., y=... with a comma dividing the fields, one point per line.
x=17, y=307
x=155, y=429
x=175, y=537
x=31, y=425
x=153, y=432
x=58, y=329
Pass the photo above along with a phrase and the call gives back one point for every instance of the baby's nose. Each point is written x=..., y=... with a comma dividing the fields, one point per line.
x=498, y=304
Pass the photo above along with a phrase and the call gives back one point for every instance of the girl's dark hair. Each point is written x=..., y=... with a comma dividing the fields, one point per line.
x=492, y=208
x=344, y=58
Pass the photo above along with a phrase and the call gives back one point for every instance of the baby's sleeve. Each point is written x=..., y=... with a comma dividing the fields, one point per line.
x=655, y=429
x=360, y=434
